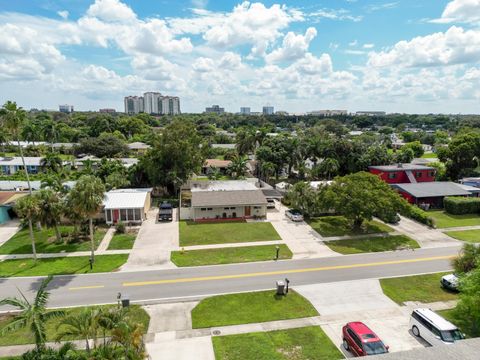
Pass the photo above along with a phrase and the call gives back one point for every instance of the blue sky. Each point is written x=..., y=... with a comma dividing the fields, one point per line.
x=398, y=56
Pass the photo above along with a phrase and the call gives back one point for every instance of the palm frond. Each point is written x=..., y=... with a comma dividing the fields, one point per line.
x=14, y=325
x=18, y=303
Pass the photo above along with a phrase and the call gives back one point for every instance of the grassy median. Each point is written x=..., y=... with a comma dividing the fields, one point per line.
x=340, y=226
x=53, y=328
x=471, y=236
x=307, y=343
x=192, y=233
x=445, y=220
x=229, y=255
x=122, y=241
x=61, y=266
x=372, y=244
x=252, y=307
x=423, y=288
x=46, y=242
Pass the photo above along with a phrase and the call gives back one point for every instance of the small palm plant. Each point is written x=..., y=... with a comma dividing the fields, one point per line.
x=33, y=315
x=83, y=325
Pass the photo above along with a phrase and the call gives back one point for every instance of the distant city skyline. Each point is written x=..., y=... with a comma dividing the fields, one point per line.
x=404, y=56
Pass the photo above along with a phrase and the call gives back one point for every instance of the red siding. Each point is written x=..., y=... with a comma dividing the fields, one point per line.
x=401, y=176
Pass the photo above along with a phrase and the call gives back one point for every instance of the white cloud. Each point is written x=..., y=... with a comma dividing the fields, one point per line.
x=111, y=10
x=455, y=46
x=334, y=14
x=368, y=46
x=467, y=11
x=63, y=14
x=293, y=46
x=353, y=43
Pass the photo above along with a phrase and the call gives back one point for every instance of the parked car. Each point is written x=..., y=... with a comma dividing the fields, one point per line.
x=270, y=204
x=450, y=282
x=294, y=215
x=433, y=328
x=361, y=341
x=165, y=212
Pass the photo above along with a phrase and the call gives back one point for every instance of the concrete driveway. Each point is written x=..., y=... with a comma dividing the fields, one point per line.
x=153, y=245
x=303, y=241
x=360, y=300
x=8, y=229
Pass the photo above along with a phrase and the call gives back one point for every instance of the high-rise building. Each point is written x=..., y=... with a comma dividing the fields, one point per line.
x=245, y=110
x=215, y=109
x=107, y=110
x=65, y=108
x=152, y=103
x=268, y=110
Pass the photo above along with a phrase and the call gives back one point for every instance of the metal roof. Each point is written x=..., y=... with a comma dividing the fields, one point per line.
x=16, y=160
x=400, y=167
x=436, y=189
x=126, y=198
x=219, y=185
x=228, y=198
x=216, y=163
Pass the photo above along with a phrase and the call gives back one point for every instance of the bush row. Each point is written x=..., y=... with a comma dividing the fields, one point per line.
x=415, y=213
x=462, y=205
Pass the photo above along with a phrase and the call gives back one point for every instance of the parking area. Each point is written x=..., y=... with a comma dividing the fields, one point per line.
x=361, y=300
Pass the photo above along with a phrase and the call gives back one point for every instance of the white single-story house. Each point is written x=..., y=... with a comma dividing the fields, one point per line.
x=127, y=205
x=139, y=147
x=221, y=200
x=11, y=165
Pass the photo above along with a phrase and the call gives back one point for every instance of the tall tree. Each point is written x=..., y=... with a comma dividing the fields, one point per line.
x=51, y=162
x=50, y=209
x=28, y=208
x=238, y=167
x=467, y=311
x=33, y=315
x=13, y=117
x=86, y=197
x=83, y=325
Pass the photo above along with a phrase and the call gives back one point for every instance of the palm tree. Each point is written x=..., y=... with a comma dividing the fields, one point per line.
x=49, y=131
x=53, y=181
x=238, y=167
x=267, y=170
x=33, y=315
x=83, y=325
x=130, y=336
x=28, y=208
x=52, y=162
x=86, y=198
x=329, y=167
x=13, y=118
x=50, y=209
x=29, y=132
x=246, y=142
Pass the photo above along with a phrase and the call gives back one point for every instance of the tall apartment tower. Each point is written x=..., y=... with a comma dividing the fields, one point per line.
x=268, y=110
x=245, y=110
x=150, y=102
x=133, y=104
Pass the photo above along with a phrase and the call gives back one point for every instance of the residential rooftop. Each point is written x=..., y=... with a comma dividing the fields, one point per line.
x=400, y=167
x=228, y=198
x=126, y=198
x=219, y=185
x=436, y=189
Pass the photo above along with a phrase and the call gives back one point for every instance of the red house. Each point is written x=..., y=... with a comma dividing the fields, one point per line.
x=404, y=173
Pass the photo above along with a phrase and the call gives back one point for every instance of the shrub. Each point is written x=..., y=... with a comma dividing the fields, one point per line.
x=467, y=260
x=462, y=205
x=415, y=213
x=120, y=228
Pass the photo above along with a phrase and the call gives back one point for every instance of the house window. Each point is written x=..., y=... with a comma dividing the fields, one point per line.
x=431, y=173
x=130, y=214
x=418, y=174
x=257, y=207
x=392, y=175
x=232, y=208
x=138, y=214
x=109, y=215
x=123, y=214
x=209, y=209
x=226, y=208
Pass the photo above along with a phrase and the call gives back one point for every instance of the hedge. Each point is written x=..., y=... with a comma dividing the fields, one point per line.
x=415, y=213
x=462, y=205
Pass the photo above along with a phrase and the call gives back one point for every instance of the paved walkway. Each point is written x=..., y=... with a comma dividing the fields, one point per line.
x=17, y=350
x=153, y=245
x=64, y=254
x=354, y=237
x=425, y=236
x=460, y=228
x=8, y=229
x=106, y=239
x=303, y=241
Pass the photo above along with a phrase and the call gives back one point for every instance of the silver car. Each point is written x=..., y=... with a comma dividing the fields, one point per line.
x=294, y=215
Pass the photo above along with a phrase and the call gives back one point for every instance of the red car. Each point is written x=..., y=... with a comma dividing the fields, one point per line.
x=361, y=341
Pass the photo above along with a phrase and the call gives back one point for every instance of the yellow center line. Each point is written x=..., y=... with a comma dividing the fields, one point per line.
x=283, y=272
x=87, y=287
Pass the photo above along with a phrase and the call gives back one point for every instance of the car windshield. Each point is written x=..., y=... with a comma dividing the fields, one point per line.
x=451, y=335
x=373, y=348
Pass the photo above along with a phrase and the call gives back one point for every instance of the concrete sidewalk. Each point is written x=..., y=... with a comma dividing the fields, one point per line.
x=8, y=229
x=63, y=254
x=106, y=239
x=231, y=245
x=460, y=228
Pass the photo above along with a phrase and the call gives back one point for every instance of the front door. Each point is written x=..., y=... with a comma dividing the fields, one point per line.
x=116, y=214
x=247, y=211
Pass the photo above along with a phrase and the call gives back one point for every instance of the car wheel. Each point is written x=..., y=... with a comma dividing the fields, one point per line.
x=415, y=331
x=345, y=345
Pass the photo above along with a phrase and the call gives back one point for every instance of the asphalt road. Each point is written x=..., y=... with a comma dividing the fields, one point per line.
x=186, y=283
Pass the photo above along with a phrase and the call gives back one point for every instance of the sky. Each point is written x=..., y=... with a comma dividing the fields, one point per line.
x=406, y=56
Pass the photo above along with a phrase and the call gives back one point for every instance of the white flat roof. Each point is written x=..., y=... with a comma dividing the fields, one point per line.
x=126, y=198
x=16, y=160
x=228, y=185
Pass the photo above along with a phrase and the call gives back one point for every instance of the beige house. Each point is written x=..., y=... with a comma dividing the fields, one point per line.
x=222, y=200
x=126, y=205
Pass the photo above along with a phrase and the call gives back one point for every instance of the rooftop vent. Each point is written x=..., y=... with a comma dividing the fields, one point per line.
x=400, y=165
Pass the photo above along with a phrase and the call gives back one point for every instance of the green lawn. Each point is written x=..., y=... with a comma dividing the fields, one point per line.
x=45, y=241
x=372, y=244
x=423, y=288
x=339, y=226
x=53, y=327
x=308, y=343
x=225, y=232
x=472, y=236
x=252, y=307
x=229, y=255
x=430, y=155
x=444, y=220
x=122, y=241
x=61, y=266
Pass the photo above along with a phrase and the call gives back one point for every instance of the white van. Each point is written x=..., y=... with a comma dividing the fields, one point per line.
x=433, y=328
